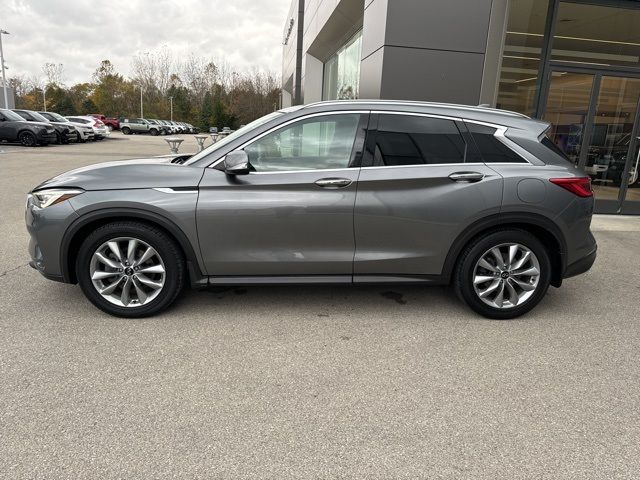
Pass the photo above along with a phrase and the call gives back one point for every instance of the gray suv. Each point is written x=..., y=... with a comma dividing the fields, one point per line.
x=345, y=192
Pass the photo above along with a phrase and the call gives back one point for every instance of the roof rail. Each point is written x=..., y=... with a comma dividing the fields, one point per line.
x=419, y=103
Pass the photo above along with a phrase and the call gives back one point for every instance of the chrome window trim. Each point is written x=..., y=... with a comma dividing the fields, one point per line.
x=289, y=122
x=424, y=165
x=171, y=190
x=311, y=170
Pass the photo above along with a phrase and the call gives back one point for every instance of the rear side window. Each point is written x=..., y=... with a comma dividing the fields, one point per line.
x=491, y=149
x=547, y=142
x=416, y=140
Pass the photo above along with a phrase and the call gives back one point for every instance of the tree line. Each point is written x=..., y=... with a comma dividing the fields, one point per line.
x=203, y=93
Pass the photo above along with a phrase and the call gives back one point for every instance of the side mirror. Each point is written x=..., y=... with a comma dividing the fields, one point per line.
x=237, y=163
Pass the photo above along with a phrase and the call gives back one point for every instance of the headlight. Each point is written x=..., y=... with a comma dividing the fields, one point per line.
x=46, y=198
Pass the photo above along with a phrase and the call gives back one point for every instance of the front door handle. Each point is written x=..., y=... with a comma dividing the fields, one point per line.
x=333, y=182
x=466, y=177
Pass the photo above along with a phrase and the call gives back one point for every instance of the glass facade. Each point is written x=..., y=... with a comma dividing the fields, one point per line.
x=577, y=66
x=342, y=71
x=522, y=55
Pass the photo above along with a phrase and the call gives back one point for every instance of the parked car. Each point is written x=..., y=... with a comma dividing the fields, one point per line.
x=139, y=125
x=172, y=128
x=100, y=130
x=163, y=128
x=110, y=123
x=333, y=192
x=83, y=131
x=14, y=128
x=64, y=133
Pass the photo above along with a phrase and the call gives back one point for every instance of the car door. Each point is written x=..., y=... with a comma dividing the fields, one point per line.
x=421, y=184
x=292, y=215
x=7, y=129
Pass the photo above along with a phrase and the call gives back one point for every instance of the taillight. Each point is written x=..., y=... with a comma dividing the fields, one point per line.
x=580, y=186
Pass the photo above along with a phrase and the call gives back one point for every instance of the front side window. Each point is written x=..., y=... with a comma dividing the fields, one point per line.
x=403, y=140
x=315, y=143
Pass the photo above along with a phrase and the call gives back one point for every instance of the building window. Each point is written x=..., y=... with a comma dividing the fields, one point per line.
x=342, y=71
x=597, y=35
x=522, y=53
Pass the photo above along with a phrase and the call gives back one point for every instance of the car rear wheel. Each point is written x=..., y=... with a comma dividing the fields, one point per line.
x=28, y=139
x=126, y=130
x=130, y=269
x=503, y=274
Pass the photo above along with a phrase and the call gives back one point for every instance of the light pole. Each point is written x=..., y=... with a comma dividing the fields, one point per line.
x=141, y=108
x=44, y=97
x=4, y=79
x=171, y=106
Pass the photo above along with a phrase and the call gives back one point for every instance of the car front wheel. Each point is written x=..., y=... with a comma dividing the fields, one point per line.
x=28, y=139
x=130, y=269
x=503, y=274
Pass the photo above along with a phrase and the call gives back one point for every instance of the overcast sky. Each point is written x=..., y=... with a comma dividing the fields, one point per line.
x=81, y=33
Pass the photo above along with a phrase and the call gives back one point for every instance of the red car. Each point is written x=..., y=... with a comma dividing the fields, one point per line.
x=111, y=123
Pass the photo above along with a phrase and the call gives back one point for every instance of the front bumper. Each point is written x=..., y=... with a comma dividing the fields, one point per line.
x=47, y=137
x=86, y=134
x=46, y=227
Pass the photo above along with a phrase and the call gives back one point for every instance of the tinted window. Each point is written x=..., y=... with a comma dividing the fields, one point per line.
x=492, y=149
x=547, y=142
x=315, y=143
x=24, y=115
x=417, y=140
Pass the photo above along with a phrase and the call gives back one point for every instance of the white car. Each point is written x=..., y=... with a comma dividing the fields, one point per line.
x=85, y=132
x=100, y=130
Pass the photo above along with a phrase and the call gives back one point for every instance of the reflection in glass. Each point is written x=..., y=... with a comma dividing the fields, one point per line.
x=342, y=71
x=522, y=53
x=567, y=108
x=597, y=35
x=616, y=110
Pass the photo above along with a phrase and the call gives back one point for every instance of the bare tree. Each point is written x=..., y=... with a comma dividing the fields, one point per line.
x=54, y=73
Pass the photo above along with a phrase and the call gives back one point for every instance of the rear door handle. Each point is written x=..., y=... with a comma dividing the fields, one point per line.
x=333, y=182
x=466, y=177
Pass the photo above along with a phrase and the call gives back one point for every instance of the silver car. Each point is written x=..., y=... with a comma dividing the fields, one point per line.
x=345, y=192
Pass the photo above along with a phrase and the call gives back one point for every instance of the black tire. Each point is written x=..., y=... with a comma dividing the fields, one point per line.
x=464, y=273
x=126, y=130
x=153, y=132
x=167, y=248
x=27, y=139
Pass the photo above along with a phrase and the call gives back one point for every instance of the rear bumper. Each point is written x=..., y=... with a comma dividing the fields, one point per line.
x=580, y=266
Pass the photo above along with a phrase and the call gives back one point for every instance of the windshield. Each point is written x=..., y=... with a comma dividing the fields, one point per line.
x=56, y=117
x=9, y=115
x=220, y=143
x=38, y=117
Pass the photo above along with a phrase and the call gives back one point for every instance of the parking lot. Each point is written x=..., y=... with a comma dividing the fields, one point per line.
x=312, y=382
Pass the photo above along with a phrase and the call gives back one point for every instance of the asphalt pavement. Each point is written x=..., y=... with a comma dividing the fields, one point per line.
x=312, y=382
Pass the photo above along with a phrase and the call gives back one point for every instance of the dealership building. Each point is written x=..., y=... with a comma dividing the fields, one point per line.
x=575, y=64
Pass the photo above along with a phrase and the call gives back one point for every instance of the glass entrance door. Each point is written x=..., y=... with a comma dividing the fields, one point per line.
x=594, y=117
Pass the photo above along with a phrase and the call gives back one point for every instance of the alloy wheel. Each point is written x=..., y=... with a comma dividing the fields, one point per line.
x=27, y=139
x=506, y=275
x=127, y=272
